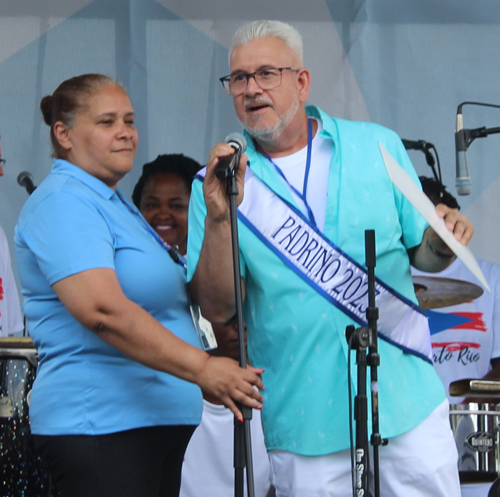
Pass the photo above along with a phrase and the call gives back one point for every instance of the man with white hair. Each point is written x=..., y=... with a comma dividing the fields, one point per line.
x=313, y=186
x=11, y=320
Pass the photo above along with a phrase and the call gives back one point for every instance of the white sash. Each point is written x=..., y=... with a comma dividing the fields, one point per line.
x=329, y=271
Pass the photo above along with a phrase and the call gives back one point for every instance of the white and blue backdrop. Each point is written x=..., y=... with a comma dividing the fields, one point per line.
x=406, y=64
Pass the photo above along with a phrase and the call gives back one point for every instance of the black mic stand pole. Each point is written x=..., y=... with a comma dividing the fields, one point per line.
x=242, y=436
x=373, y=355
x=362, y=339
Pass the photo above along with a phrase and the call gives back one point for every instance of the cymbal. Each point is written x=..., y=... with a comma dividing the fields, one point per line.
x=433, y=292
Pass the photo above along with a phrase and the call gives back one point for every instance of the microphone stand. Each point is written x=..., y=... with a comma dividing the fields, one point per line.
x=373, y=356
x=425, y=147
x=242, y=435
x=362, y=339
x=472, y=134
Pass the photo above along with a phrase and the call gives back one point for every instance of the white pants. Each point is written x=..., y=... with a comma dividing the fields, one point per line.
x=419, y=463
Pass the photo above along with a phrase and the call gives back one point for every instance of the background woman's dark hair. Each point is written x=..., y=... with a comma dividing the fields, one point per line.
x=176, y=164
x=69, y=100
x=438, y=193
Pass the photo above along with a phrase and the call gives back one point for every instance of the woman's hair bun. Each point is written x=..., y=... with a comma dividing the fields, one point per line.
x=46, y=108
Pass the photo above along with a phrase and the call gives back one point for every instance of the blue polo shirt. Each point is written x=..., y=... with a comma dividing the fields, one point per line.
x=295, y=334
x=73, y=222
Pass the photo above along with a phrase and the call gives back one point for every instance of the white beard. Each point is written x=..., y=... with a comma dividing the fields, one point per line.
x=269, y=134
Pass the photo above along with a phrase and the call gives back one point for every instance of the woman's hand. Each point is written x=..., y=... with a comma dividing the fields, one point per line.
x=223, y=379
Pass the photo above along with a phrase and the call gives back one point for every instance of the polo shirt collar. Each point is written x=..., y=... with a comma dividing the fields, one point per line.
x=61, y=166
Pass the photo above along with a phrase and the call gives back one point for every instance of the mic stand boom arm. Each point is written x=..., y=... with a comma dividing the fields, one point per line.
x=472, y=134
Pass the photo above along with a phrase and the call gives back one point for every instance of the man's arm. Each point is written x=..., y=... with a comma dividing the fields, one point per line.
x=494, y=374
x=212, y=285
x=433, y=255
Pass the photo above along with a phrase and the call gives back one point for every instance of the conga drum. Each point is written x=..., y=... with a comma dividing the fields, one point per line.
x=476, y=431
x=21, y=471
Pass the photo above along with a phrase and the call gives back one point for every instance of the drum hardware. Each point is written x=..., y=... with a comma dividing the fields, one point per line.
x=6, y=407
x=20, y=468
x=20, y=348
x=476, y=429
x=475, y=388
x=433, y=292
x=30, y=355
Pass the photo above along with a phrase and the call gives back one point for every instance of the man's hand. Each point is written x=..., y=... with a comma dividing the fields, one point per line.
x=457, y=223
x=433, y=255
x=212, y=285
x=214, y=189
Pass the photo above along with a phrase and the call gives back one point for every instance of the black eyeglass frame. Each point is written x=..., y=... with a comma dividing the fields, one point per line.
x=225, y=79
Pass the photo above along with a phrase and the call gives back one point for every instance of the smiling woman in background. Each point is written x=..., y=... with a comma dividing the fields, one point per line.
x=115, y=400
x=162, y=195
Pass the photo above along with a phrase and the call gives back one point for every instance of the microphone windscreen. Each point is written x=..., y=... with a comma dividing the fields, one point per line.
x=23, y=176
x=238, y=139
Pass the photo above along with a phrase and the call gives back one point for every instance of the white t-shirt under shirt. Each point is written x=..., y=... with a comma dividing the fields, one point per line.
x=294, y=167
x=466, y=337
x=208, y=463
x=11, y=320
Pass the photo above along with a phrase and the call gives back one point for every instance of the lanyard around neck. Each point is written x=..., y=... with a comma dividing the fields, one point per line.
x=303, y=195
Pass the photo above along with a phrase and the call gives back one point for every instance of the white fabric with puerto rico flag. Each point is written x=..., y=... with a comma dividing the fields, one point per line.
x=466, y=337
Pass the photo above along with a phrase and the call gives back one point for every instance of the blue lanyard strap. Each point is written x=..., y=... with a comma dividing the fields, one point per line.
x=174, y=254
x=308, y=161
x=303, y=195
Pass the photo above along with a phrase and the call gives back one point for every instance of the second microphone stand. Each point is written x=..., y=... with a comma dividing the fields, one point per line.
x=242, y=434
x=362, y=339
x=471, y=134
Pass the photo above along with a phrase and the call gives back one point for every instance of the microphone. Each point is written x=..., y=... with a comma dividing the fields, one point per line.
x=416, y=145
x=228, y=164
x=423, y=146
x=463, y=183
x=25, y=179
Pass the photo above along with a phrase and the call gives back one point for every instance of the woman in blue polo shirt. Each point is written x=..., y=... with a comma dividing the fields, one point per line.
x=117, y=393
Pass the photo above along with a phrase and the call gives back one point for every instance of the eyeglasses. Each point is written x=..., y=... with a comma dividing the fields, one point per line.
x=2, y=162
x=266, y=79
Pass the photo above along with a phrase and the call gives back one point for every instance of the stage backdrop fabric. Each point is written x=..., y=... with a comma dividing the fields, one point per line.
x=406, y=65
